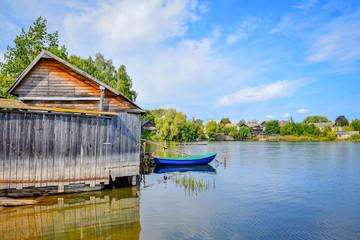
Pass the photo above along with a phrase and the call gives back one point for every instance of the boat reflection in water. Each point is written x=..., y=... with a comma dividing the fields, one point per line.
x=110, y=214
x=185, y=168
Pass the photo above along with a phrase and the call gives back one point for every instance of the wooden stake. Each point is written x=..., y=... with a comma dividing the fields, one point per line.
x=225, y=162
x=144, y=147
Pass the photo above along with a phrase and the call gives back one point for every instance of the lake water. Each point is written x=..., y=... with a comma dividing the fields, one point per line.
x=267, y=190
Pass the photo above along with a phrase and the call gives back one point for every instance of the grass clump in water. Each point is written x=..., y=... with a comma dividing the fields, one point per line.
x=193, y=185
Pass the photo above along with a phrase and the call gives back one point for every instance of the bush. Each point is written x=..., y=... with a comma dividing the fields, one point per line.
x=287, y=129
x=244, y=133
x=226, y=130
x=272, y=127
x=355, y=137
x=355, y=124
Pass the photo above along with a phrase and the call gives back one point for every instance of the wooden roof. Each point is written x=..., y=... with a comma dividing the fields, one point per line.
x=47, y=55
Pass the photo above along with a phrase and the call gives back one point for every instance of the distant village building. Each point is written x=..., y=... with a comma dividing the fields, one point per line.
x=257, y=129
x=222, y=124
x=69, y=131
x=229, y=125
x=323, y=124
x=147, y=125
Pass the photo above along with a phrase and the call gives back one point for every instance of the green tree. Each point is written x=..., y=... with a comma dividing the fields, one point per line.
x=187, y=131
x=342, y=121
x=212, y=129
x=315, y=119
x=124, y=84
x=254, y=121
x=170, y=124
x=311, y=130
x=226, y=130
x=26, y=47
x=226, y=120
x=287, y=129
x=272, y=127
x=148, y=116
x=298, y=129
x=244, y=133
x=105, y=71
x=241, y=122
x=199, y=128
x=355, y=124
x=234, y=132
x=5, y=83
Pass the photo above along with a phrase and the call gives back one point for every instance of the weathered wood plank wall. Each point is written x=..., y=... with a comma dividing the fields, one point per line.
x=52, y=149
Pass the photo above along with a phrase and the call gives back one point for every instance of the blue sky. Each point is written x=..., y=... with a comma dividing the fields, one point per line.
x=213, y=59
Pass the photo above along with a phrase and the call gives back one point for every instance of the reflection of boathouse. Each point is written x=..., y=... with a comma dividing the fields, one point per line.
x=110, y=214
x=68, y=132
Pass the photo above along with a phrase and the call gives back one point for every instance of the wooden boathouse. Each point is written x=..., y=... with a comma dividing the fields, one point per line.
x=68, y=132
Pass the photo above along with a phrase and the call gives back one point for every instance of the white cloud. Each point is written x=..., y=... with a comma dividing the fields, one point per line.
x=176, y=73
x=302, y=110
x=286, y=115
x=335, y=41
x=126, y=25
x=246, y=27
x=327, y=38
x=1, y=57
x=269, y=116
x=279, y=89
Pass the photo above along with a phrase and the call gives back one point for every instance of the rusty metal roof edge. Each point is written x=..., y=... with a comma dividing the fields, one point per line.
x=16, y=104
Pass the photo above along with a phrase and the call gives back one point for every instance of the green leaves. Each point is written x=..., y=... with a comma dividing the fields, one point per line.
x=315, y=119
x=105, y=71
x=27, y=46
x=272, y=127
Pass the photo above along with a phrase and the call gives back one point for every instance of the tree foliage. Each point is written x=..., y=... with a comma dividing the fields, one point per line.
x=355, y=124
x=105, y=71
x=244, y=133
x=26, y=47
x=148, y=116
x=342, y=121
x=242, y=121
x=300, y=129
x=315, y=119
x=226, y=120
x=5, y=83
x=172, y=125
x=212, y=129
x=272, y=127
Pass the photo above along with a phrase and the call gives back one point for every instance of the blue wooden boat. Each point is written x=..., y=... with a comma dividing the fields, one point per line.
x=193, y=160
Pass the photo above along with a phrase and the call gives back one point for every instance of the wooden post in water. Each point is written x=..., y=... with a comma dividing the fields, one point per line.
x=224, y=162
x=144, y=148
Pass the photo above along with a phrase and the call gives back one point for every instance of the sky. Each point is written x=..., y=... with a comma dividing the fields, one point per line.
x=239, y=59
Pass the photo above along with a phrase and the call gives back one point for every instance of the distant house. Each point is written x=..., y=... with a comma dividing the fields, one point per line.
x=257, y=129
x=232, y=125
x=222, y=124
x=147, y=125
x=323, y=124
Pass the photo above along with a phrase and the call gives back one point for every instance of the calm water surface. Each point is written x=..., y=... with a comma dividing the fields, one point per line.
x=266, y=191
